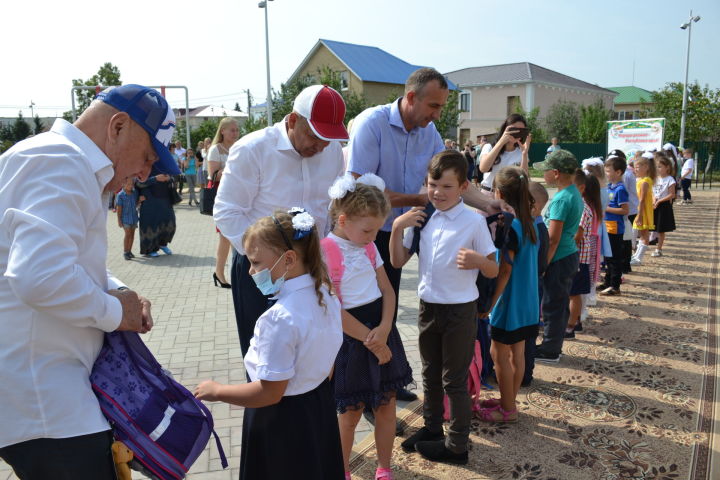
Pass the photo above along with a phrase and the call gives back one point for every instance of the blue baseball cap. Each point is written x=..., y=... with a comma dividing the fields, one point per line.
x=151, y=111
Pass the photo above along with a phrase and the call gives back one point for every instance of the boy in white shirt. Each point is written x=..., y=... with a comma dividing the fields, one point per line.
x=454, y=246
x=686, y=174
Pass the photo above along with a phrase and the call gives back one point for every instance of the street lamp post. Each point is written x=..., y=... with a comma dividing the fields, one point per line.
x=268, y=103
x=684, y=26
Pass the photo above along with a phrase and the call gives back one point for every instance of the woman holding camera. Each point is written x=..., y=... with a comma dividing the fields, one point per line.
x=511, y=149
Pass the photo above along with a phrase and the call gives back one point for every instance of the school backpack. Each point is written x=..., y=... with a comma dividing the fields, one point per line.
x=163, y=424
x=336, y=264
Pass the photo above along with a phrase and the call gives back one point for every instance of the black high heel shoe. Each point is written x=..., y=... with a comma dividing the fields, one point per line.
x=216, y=280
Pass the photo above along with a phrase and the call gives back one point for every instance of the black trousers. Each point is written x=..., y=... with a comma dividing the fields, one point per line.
x=248, y=301
x=87, y=457
x=614, y=264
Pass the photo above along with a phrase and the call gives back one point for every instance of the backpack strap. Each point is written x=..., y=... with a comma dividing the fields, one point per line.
x=371, y=253
x=502, y=234
x=334, y=260
x=415, y=246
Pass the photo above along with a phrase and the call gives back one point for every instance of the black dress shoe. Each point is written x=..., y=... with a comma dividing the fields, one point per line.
x=406, y=395
x=422, y=435
x=436, y=451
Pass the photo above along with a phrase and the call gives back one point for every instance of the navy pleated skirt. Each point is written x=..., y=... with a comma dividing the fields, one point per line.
x=296, y=438
x=359, y=380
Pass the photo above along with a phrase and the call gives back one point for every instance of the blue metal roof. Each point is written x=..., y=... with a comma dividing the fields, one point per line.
x=372, y=64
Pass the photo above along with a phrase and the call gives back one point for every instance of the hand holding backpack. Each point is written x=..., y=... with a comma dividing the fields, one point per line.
x=158, y=419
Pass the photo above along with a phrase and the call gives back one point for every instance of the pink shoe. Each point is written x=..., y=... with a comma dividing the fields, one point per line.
x=490, y=403
x=487, y=415
x=348, y=476
x=383, y=474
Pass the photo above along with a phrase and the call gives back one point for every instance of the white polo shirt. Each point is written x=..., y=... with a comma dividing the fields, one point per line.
x=296, y=339
x=265, y=173
x=441, y=281
x=53, y=306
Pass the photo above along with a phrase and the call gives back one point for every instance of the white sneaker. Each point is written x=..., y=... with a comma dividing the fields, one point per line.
x=656, y=253
x=635, y=261
x=682, y=202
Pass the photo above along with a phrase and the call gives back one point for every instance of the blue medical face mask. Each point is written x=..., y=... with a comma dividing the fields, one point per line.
x=264, y=282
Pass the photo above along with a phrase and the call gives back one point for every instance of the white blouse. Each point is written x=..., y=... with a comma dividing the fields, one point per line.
x=296, y=339
x=359, y=282
x=513, y=158
x=661, y=187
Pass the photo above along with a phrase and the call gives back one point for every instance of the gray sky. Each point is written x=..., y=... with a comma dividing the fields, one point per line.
x=217, y=47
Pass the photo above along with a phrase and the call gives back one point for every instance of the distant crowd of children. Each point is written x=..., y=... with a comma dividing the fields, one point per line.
x=329, y=343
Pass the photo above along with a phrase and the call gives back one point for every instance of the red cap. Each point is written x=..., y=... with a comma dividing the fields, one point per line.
x=324, y=109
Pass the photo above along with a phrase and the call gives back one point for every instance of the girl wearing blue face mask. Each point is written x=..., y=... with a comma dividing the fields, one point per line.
x=289, y=429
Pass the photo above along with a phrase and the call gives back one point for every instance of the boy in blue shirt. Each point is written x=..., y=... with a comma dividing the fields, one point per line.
x=617, y=208
x=562, y=219
x=126, y=205
x=454, y=246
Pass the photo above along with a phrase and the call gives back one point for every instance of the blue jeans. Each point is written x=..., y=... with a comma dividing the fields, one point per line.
x=556, y=302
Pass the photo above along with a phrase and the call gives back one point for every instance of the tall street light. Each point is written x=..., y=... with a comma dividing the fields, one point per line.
x=268, y=103
x=686, y=26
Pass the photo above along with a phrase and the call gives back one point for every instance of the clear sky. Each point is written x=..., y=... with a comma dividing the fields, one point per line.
x=217, y=47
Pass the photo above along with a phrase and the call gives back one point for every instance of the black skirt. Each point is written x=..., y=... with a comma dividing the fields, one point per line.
x=296, y=438
x=664, y=218
x=359, y=380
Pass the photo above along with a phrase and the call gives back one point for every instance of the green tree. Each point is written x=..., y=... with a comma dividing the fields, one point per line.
x=252, y=124
x=21, y=129
x=533, y=123
x=593, y=127
x=703, y=112
x=7, y=137
x=107, y=75
x=449, y=119
x=562, y=121
x=38, y=126
x=237, y=107
x=206, y=129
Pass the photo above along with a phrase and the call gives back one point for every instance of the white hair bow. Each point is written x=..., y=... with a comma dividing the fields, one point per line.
x=342, y=185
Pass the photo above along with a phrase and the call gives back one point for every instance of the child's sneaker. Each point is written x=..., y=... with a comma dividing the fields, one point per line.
x=656, y=253
x=610, y=291
x=547, y=358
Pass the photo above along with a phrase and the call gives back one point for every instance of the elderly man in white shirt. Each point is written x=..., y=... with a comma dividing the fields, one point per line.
x=292, y=163
x=56, y=297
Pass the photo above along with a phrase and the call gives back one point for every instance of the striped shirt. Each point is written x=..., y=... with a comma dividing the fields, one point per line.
x=588, y=245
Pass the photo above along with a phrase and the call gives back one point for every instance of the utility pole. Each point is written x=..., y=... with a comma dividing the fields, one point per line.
x=686, y=26
x=249, y=100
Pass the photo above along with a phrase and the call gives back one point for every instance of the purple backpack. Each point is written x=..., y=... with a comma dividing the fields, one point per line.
x=163, y=424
